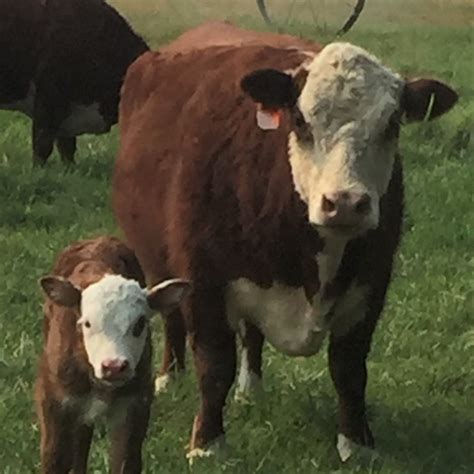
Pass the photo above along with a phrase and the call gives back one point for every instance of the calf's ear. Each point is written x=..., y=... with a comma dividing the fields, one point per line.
x=61, y=291
x=426, y=99
x=166, y=296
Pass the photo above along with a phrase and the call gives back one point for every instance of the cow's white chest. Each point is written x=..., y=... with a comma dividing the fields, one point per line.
x=289, y=321
x=283, y=314
x=83, y=119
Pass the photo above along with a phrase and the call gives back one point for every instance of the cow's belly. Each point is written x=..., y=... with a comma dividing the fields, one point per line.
x=286, y=318
x=24, y=105
x=288, y=321
x=83, y=119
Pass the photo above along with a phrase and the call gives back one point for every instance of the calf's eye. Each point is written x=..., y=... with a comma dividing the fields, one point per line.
x=139, y=326
x=87, y=324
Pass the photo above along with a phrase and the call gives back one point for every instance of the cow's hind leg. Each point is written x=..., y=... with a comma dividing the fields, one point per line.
x=347, y=364
x=67, y=148
x=174, y=352
x=250, y=373
x=213, y=344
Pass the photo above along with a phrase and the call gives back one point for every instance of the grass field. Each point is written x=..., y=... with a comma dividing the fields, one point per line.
x=421, y=369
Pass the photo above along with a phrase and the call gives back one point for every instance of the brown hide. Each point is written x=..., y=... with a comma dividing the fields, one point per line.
x=202, y=193
x=65, y=374
x=223, y=33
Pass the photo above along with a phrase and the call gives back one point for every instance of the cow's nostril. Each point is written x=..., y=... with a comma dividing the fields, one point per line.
x=328, y=205
x=124, y=366
x=363, y=204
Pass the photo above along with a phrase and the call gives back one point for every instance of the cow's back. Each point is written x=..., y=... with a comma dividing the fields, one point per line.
x=189, y=145
x=224, y=33
x=20, y=36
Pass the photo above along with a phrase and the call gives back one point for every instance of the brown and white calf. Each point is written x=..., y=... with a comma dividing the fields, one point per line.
x=62, y=63
x=96, y=359
x=270, y=177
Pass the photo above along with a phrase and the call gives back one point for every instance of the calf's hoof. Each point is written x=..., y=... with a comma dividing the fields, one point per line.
x=347, y=449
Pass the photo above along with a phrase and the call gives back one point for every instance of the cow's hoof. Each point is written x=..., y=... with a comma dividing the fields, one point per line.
x=217, y=450
x=247, y=387
x=162, y=382
x=348, y=449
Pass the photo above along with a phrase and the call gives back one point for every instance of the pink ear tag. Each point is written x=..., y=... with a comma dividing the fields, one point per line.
x=268, y=119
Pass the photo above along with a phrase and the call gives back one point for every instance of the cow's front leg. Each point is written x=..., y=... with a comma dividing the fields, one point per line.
x=174, y=352
x=82, y=443
x=347, y=364
x=213, y=344
x=67, y=149
x=250, y=373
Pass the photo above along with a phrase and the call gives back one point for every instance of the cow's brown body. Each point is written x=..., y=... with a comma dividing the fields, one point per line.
x=62, y=64
x=65, y=392
x=200, y=191
x=223, y=33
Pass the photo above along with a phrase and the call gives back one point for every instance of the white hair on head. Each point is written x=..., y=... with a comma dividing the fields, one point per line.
x=110, y=309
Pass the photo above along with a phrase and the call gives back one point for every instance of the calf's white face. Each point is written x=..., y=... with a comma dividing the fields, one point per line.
x=114, y=316
x=345, y=109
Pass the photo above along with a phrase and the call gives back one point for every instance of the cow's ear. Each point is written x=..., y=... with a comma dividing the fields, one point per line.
x=271, y=88
x=166, y=296
x=272, y=91
x=61, y=291
x=426, y=99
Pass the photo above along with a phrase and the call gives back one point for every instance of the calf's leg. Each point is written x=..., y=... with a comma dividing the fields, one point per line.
x=213, y=344
x=82, y=442
x=127, y=437
x=56, y=438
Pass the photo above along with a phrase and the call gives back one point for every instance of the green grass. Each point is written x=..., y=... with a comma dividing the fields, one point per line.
x=421, y=380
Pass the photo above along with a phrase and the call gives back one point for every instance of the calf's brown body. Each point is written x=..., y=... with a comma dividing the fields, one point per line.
x=66, y=394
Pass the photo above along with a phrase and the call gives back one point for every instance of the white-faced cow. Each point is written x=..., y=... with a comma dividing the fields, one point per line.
x=96, y=357
x=62, y=63
x=271, y=177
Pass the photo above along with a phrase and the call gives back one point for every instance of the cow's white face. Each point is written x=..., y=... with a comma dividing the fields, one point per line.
x=345, y=109
x=114, y=317
x=343, y=153
x=114, y=323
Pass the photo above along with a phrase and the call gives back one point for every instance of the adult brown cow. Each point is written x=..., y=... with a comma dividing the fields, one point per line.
x=289, y=232
x=62, y=63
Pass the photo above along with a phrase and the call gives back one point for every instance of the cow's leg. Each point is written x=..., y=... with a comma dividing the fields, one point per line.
x=250, y=374
x=213, y=344
x=56, y=438
x=128, y=436
x=47, y=117
x=67, y=148
x=347, y=364
x=82, y=443
x=174, y=351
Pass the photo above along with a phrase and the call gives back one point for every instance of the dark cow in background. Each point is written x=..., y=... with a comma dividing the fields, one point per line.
x=270, y=177
x=62, y=63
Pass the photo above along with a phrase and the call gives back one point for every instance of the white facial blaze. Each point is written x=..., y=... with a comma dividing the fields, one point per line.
x=347, y=100
x=110, y=310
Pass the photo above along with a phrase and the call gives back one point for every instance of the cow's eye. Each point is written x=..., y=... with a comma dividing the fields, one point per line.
x=87, y=324
x=139, y=326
